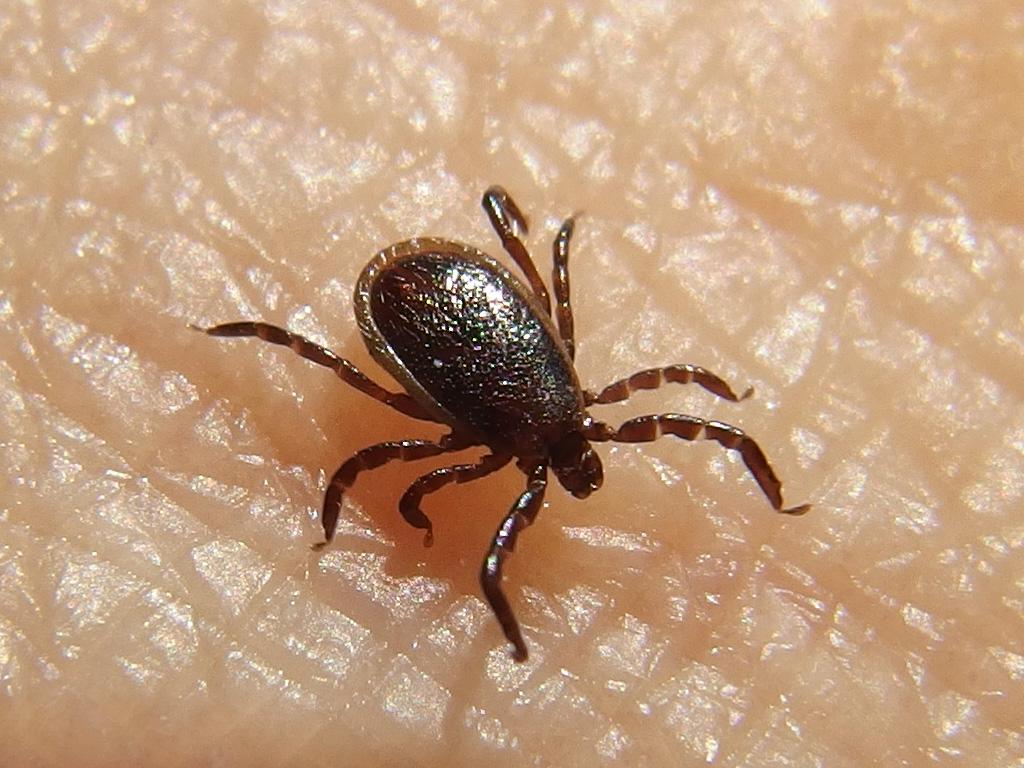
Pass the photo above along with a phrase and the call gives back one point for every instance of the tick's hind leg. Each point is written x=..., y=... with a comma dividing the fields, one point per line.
x=522, y=514
x=409, y=505
x=506, y=218
x=652, y=378
x=371, y=458
x=560, y=282
x=645, y=429
x=321, y=356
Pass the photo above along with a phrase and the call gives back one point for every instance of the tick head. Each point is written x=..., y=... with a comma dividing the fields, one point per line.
x=576, y=465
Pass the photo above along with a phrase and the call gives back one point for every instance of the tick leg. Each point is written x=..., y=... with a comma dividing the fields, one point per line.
x=653, y=378
x=645, y=429
x=506, y=218
x=522, y=514
x=560, y=282
x=409, y=506
x=321, y=356
x=371, y=458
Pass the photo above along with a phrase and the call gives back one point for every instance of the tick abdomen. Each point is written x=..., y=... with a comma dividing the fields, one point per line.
x=472, y=337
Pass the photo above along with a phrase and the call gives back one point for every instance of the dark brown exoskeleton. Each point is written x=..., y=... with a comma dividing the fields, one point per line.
x=478, y=351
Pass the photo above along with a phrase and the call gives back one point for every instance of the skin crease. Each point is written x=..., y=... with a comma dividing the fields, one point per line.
x=819, y=201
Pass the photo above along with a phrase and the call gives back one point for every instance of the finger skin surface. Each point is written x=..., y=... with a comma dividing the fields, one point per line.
x=819, y=201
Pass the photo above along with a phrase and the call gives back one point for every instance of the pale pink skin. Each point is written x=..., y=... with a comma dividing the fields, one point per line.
x=821, y=201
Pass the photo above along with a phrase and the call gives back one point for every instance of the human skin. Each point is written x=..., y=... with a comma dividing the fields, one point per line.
x=819, y=201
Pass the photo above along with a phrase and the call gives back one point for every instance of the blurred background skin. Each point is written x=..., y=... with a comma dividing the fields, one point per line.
x=819, y=200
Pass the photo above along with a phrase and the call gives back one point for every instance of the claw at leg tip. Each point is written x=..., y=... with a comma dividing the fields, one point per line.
x=796, y=511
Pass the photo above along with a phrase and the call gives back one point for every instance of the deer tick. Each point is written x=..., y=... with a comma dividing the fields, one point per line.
x=477, y=350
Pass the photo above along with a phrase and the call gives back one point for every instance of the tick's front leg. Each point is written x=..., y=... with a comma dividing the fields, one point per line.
x=522, y=514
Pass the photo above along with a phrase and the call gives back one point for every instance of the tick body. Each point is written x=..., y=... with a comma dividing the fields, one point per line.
x=476, y=349
x=470, y=343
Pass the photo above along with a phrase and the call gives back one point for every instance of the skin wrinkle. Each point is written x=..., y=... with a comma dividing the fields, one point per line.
x=817, y=200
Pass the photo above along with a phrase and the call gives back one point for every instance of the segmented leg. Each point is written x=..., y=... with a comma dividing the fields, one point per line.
x=371, y=458
x=321, y=356
x=409, y=505
x=560, y=282
x=522, y=514
x=644, y=429
x=506, y=218
x=652, y=378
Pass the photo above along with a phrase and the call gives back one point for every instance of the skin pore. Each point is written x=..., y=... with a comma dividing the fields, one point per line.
x=819, y=201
